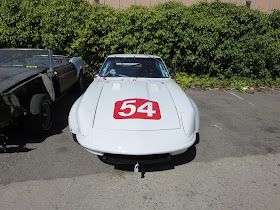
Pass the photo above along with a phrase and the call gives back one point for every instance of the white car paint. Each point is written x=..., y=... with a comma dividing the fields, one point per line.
x=93, y=121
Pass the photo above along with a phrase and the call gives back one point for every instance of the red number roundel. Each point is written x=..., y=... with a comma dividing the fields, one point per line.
x=137, y=109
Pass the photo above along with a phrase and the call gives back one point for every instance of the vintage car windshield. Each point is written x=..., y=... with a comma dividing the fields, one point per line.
x=14, y=58
x=134, y=67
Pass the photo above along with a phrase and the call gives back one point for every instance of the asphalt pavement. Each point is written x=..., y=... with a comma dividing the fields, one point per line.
x=236, y=164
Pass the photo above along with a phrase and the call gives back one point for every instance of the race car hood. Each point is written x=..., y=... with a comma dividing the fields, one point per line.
x=11, y=76
x=135, y=104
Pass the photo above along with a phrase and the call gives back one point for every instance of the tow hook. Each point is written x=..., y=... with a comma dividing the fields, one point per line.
x=4, y=146
x=136, y=170
x=136, y=167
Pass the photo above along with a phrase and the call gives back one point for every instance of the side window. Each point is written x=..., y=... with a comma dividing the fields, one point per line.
x=106, y=68
x=162, y=69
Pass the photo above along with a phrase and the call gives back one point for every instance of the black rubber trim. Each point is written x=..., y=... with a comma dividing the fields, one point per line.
x=133, y=159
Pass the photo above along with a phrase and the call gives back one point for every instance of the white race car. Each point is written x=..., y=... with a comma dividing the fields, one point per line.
x=134, y=111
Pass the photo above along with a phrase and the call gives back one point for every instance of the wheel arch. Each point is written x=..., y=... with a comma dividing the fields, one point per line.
x=25, y=90
x=79, y=64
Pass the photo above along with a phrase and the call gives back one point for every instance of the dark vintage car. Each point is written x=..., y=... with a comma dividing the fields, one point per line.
x=30, y=81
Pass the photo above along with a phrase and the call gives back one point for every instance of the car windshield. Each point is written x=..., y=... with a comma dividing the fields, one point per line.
x=15, y=58
x=134, y=67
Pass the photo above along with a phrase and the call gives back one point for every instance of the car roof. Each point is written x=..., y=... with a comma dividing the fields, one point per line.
x=133, y=56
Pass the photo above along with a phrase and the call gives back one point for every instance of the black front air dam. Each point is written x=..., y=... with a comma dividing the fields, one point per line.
x=133, y=159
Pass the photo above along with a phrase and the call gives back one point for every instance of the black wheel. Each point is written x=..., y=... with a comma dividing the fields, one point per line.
x=75, y=138
x=40, y=117
x=81, y=85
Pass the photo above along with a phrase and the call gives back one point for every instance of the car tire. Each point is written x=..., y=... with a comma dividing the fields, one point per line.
x=80, y=85
x=40, y=117
x=75, y=138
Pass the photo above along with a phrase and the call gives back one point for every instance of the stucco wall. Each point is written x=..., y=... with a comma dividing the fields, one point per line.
x=262, y=5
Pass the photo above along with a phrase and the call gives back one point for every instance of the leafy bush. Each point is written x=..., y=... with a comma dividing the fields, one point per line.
x=42, y=23
x=91, y=40
x=236, y=82
x=275, y=19
x=215, y=39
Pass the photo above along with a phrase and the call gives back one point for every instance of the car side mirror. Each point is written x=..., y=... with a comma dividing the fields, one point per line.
x=172, y=74
x=95, y=73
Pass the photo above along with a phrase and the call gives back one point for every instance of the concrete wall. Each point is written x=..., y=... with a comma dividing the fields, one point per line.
x=262, y=5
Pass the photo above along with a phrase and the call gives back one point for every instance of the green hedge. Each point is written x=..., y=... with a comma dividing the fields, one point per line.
x=214, y=39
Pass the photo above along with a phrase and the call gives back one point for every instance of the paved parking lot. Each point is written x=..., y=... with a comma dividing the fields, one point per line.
x=236, y=164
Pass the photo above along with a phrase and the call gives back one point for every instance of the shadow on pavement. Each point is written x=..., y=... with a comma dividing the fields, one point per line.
x=17, y=139
x=176, y=160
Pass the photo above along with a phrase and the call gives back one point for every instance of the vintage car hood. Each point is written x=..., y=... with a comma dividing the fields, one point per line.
x=11, y=76
x=116, y=91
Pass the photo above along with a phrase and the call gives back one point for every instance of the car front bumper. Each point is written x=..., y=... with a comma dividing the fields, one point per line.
x=122, y=142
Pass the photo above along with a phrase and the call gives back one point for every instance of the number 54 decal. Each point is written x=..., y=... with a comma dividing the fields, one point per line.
x=137, y=109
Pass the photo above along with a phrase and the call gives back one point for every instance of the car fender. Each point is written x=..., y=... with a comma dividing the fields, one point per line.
x=83, y=110
x=48, y=85
x=79, y=64
x=186, y=108
x=197, y=117
x=72, y=118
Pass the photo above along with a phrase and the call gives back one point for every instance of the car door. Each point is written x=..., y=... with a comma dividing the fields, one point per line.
x=67, y=76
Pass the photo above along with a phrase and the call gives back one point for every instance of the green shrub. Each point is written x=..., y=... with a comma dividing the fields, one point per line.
x=275, y=19
x=215, y=39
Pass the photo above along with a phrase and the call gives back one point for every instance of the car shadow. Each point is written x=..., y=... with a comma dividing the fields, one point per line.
x=176, y=160
x=18, y=141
